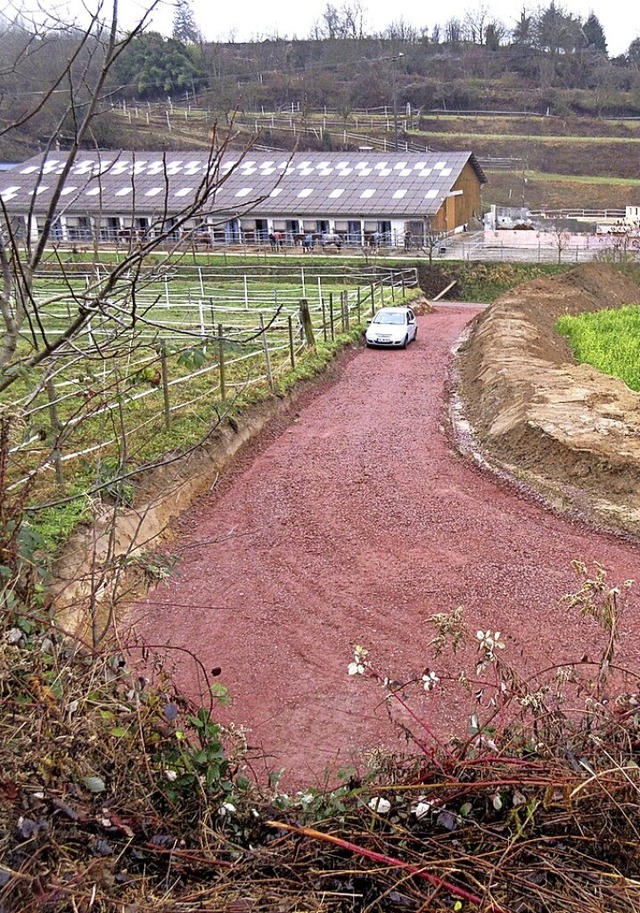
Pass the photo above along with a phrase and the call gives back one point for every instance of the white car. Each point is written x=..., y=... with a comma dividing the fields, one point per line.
x=392, y=327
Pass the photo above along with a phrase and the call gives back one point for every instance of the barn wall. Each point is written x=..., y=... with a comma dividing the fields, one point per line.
x=459, y=208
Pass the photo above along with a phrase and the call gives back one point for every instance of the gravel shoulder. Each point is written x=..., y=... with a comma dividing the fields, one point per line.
x=355, y=524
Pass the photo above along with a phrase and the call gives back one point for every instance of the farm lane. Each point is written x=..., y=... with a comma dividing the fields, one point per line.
x=354, y=526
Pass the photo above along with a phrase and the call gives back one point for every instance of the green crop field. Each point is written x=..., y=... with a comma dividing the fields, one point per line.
x=608, y=340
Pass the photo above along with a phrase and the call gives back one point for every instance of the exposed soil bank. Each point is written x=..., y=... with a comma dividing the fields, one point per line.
x=566, y=430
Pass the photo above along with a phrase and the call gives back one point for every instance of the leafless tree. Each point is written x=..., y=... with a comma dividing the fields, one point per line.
x=475, y=23
x=345, y=21
x=34, y=350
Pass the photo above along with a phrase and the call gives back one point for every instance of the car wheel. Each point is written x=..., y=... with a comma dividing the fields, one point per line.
x=405, y=342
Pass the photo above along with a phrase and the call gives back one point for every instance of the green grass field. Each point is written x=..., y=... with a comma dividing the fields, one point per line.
x=608, y=340
x=155, y=375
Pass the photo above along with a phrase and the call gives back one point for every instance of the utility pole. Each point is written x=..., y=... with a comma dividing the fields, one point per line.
x=394, y=58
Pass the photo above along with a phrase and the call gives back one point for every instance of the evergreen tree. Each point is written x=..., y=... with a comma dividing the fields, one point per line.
x=594, y=33
x=185, y=29
x=522, y=34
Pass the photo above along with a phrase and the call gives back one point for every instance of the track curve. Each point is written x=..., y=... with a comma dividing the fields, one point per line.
x=355, y=525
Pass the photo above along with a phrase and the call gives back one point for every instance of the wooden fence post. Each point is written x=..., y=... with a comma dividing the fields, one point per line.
x=223, y=386
x=56, y=429
x=373, y=301
x=305, y=320
x=267, y=357
x=292, y=348
x=165, y=388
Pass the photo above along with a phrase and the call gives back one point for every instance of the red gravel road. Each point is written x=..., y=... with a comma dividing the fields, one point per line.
x=354, y=525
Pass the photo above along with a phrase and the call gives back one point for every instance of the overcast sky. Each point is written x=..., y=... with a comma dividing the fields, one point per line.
x=244, y=20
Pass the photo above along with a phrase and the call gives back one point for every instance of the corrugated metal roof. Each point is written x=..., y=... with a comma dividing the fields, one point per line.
x=332, y=184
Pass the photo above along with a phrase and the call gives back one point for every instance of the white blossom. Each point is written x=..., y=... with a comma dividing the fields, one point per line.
x=359, y=664
x=489, y=643
x=429, y=680
x=421, y=808
x=227, y=808
x=380, y=805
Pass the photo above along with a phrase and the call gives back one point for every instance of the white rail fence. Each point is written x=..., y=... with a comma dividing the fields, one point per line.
x=239, y=345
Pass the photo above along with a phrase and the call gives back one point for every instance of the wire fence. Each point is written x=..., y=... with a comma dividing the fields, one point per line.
x=188, y=350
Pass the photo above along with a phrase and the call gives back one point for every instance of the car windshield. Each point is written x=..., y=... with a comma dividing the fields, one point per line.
x=396, y=317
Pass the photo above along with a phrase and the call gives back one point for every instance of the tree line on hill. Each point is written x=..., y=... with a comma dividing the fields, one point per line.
x=550, y=62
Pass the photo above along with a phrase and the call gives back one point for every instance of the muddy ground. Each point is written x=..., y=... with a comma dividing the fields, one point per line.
x=568, y=431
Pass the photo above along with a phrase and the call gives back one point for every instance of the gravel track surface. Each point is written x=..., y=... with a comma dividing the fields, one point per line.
x=354, y=525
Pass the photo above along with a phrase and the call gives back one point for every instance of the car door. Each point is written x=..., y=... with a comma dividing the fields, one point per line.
x=412, y=324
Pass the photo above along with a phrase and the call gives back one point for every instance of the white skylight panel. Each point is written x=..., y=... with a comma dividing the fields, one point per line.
x=154, y=192
x=247, y=170
x=10, y=192
x=93, y=192
x=276, y=192
x=120, y=168
x=399, y=194
x=380, y=166
x=226, y=168
x=362, y=165
x=385, y=172
x=405, y=172
x=42, y=189
x=340, y=165
x=304, y=165
x=306, y=192
x=244, y=191
x=193, y=168
x=343, y=172
x=101, y=167
x=367, y=194
x=267, y=164
x=400, y=165
x=323, y=165
x=419, y=166
x=140, y=166
x=431, y=194
x=265, y=172
x=445, y=172
x=155, y=168
x=123, y=191
x=83, y=168
x=305, y=172
x=425, y=173
x=336, y=193
x=325, y=171
x=67, y=190
x=51, y=166
x=28, y=170
x=440, y=165
x=365, y=172
x=184, y=191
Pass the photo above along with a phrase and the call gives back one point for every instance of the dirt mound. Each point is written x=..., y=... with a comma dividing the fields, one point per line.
x=566, y=430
